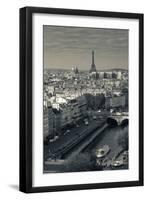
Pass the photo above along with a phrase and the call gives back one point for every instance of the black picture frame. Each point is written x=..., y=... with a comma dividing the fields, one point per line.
x=26, y=97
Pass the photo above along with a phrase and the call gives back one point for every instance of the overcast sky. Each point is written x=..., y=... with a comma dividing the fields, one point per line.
x=66, y=47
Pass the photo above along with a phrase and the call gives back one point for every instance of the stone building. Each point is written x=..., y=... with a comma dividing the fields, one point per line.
x=115, y=102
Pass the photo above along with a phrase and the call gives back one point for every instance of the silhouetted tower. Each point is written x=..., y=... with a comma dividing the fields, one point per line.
x=93, y=67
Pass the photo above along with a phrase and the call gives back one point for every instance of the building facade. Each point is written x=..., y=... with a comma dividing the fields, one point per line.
x=115, y=102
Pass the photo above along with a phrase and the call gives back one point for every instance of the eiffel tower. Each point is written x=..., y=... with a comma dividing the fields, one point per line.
x=93, y=67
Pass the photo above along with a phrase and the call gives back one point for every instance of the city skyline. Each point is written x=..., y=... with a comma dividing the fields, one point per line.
x=67, y=47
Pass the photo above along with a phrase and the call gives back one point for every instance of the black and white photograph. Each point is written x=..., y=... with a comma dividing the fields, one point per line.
x=81, y=99
x=85, y=99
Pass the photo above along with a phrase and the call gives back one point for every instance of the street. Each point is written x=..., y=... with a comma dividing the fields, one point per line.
x=75, y=134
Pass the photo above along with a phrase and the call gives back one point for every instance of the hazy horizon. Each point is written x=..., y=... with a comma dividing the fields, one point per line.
x=67, y=47
x=86, y=70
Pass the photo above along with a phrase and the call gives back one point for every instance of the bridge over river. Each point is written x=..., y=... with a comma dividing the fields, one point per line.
x=118, y=119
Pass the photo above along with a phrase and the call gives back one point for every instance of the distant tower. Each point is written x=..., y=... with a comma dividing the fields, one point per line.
x=93, y=67
x=76, y=70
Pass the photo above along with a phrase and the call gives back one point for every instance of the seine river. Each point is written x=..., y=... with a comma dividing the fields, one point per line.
x=109, y=136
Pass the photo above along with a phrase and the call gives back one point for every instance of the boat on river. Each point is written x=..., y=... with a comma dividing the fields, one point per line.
x=103, y=151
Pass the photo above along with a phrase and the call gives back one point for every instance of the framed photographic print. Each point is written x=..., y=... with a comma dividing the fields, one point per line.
x=81, y=99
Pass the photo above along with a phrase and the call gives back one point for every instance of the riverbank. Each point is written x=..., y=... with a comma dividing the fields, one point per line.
x=81, y=157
